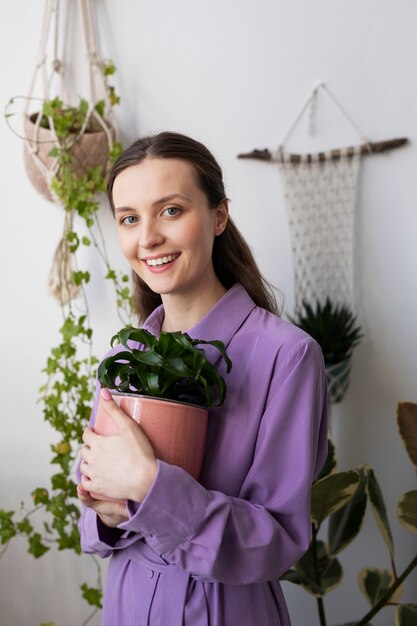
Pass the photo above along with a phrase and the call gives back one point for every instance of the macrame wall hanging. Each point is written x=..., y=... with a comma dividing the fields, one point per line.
x=320, y=195
x=89, y=144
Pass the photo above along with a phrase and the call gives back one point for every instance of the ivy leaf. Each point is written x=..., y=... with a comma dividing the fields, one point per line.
x=24, y=526
x=407, y=510
x=40, y=496
x=36, y=547
x=91, y=595
x=378, y=508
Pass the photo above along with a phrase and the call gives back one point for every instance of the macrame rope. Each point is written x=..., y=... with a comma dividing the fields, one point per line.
x=61, y=271
x=311, y=102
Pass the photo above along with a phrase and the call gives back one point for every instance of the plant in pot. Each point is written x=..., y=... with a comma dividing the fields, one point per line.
x=334, y=328
x=166, y=384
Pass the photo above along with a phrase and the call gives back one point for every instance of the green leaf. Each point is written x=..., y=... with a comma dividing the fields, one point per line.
x=331, y=460
x=36, y=546
x=99, y=107
x=378, y=508
x=407, y=510
x=24, y=526
x=407, y=425
x=374, y=584
x=405, y=615
x=346, y=523
x=91, y=595
x=7, y=527
x=40, y=496
x=304, y=581
x=332, y=493
x=317, y=572
x=55, y=152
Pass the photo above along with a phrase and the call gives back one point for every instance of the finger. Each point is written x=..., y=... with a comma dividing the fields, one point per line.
x=85, y=453
x=85, y=483
x=120, y=418
x=82, y=493
x=89, y=435
x=84, y=469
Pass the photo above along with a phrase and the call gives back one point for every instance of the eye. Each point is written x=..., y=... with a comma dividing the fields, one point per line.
x=172, y=211
x=128, y=220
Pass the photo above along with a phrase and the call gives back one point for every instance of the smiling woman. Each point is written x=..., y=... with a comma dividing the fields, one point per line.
x=208, y=552
x=166, y=231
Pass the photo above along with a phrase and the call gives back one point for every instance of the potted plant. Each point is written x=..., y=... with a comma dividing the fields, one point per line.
x=167, y=385
x=334, y=328
x=83, y=131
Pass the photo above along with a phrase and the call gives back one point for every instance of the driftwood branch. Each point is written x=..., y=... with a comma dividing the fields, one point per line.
x=367, y=148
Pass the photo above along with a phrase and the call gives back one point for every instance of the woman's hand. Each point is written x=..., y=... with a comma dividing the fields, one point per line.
x=121, y=466
x=111, y=513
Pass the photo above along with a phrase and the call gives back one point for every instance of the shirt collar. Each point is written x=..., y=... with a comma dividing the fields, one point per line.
x=220, y=323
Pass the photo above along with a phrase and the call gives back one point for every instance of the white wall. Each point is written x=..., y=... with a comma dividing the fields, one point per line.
x=232, y=74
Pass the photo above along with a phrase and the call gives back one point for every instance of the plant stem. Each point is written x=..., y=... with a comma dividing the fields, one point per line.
x=322, y=615
x=383, y=601
x=320, y=603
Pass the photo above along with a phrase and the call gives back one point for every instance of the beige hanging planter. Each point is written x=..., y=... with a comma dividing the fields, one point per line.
x=91, y=137
x=91, y=149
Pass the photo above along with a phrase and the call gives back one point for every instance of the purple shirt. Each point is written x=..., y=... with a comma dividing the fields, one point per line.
x=210, y=553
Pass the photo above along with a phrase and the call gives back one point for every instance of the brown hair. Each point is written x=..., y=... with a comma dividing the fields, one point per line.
x=232, y=258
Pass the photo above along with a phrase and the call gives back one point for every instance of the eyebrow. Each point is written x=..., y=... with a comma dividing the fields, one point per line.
x=171, y=196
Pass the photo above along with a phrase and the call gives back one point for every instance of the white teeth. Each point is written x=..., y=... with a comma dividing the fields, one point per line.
x=161, y=260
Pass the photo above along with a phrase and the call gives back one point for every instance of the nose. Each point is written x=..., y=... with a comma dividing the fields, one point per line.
x=150, y=234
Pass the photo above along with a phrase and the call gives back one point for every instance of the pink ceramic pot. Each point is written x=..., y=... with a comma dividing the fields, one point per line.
x=177, y=430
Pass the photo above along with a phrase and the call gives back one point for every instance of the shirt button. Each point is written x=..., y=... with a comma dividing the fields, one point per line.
x=150, y=573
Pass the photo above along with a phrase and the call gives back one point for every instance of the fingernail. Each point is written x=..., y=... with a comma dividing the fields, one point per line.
x=105, y=394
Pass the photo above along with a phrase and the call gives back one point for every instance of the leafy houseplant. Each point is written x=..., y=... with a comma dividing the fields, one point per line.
x=334, y=328
x=66, y=397
x=341, y=499
x=167, y=386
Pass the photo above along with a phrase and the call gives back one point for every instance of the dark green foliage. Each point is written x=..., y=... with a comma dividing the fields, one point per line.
x=342, y=497
x=170, y=367
x=332, y=326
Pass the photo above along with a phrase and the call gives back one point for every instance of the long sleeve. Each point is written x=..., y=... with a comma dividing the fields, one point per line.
x=259, y=534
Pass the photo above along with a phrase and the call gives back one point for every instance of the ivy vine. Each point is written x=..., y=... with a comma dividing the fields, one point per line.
x=67, y=393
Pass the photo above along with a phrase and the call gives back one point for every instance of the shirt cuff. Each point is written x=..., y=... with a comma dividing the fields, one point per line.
x=172, y=510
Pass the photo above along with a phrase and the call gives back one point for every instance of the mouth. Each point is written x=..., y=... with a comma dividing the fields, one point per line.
x=162, y=260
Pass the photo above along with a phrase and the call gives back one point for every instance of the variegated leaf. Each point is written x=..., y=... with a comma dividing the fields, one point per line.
x=331, y=461
x=407, y=425
x=405, y=615
x=407, y=510
x=317, y=572
x=378, y=508
x=332, y=493
x=374, y=583
x=346, y=523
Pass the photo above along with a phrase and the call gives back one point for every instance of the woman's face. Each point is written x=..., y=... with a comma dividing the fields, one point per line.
x=166, y=228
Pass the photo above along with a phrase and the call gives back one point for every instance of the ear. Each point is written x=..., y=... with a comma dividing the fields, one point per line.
x=222, y=215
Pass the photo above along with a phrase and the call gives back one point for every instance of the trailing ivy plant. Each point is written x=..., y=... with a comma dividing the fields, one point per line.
x=66, y=396
x=341, y=498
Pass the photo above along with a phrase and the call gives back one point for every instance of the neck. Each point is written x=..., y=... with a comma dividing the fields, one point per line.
x=182, y=312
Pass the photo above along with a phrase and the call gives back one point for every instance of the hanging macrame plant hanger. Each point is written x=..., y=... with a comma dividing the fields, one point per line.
x=320, y=195
x=90, y=145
